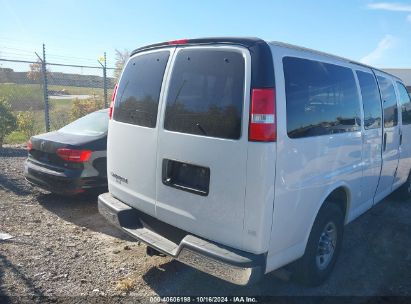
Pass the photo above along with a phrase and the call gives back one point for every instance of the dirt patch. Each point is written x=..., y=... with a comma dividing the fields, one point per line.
x=62, y=247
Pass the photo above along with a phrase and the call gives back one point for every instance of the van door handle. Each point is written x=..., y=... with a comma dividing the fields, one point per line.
x=385, y=141
x=400, y=139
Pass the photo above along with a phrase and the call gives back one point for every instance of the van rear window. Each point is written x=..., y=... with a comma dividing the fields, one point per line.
x=139, y=89
x=206, y=93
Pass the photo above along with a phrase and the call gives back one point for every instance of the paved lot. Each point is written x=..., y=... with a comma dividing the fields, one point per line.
x=63, y=247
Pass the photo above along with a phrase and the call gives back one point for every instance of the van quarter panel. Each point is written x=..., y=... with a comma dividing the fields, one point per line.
x=308, y=168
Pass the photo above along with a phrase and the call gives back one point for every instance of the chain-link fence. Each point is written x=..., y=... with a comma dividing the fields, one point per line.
x=44, y=96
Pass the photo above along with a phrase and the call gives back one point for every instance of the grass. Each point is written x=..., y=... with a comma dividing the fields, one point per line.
x=77, y=90
x=126, y=284
x=15, y=137
x=29, y=97
x=61, y=104
x=22, y=96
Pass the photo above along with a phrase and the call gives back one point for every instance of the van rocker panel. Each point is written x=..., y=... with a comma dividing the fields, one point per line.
x=227, y=263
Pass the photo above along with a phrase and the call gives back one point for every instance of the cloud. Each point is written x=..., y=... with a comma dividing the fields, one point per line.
x=375, y=55
x=395, y=7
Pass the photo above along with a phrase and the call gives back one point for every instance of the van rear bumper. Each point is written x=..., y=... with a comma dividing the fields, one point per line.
x=229, y=264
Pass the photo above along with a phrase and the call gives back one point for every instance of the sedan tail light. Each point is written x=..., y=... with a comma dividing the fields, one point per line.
x=75, y=156
x=29, y=145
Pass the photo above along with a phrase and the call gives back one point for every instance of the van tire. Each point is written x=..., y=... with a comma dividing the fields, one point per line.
x=309, y=270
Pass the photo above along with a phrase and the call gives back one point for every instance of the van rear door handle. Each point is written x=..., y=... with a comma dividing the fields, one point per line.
x=400, y=139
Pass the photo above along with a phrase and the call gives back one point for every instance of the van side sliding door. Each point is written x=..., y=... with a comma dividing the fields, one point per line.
x=391, y=136
x=372, y=137
x=404, y=163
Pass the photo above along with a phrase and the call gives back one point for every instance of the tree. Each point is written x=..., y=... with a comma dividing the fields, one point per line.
x=7, y=120
x=121, y=59
x=35, y=72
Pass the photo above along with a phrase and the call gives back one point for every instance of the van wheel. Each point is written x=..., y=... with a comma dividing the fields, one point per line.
x=323, y=247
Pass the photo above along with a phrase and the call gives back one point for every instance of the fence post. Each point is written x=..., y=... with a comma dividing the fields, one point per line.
x=105, y=80
x=45, y=90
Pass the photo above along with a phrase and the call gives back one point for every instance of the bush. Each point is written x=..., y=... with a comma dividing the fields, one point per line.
x=7, y=120
x=26, y=123
x=59, y=117
x=83, y=107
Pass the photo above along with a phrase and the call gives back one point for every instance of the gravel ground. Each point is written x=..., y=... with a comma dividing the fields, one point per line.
x=62, y=247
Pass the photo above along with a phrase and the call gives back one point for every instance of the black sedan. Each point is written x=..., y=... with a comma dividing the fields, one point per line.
x=72, y=159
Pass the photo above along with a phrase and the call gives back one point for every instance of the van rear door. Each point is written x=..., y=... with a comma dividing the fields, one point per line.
x=202, y=142
x=132, y=136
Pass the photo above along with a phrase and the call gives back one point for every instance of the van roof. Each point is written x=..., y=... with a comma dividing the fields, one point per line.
x=296, y=47
x=247, y=42
x=252, y=43
x=262, y=73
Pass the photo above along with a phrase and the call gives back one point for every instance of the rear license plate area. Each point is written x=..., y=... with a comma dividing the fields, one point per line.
x=186, y=177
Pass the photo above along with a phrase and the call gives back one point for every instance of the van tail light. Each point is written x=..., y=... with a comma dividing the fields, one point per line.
x=263, y=125
x=29, y=145
x=113, y=100
x=75, y=156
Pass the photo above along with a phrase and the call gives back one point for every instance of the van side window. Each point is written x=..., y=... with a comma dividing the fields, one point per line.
x=139, y=89
x=206, y=93
x=405, y=103
x=371, y=100
x=321, y=98
x=389, y=101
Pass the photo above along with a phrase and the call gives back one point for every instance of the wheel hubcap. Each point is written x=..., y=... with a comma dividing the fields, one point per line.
x=326, y=246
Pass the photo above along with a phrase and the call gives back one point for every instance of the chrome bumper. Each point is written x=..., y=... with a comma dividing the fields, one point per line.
x=229, y=264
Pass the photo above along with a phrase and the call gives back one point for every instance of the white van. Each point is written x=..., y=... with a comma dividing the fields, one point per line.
x=239, y=156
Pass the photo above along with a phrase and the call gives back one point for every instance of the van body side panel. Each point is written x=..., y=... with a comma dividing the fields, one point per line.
x=404, y=107
x=307, y=170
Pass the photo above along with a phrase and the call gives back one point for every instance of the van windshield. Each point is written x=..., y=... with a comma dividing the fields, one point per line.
x=206, y=93
x=93, y=124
